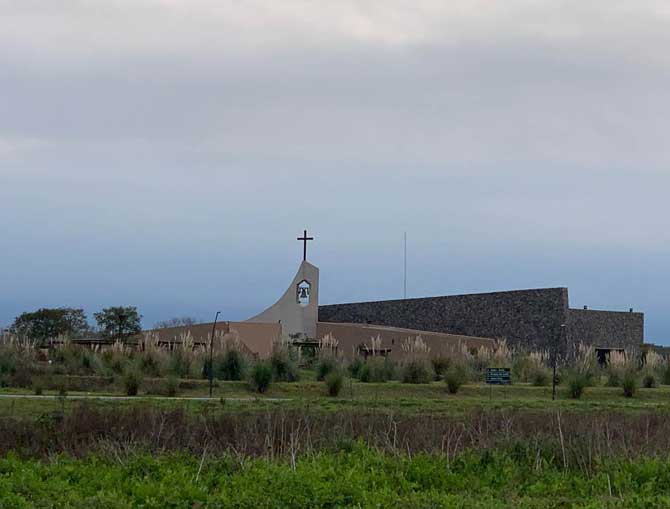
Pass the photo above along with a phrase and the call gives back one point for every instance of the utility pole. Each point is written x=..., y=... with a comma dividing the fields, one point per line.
x=210, y=371
x=405, y=268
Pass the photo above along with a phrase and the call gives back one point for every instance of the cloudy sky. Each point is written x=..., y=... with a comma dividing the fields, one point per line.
x=166, y=153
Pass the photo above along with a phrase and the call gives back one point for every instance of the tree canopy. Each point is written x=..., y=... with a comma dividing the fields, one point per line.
x=119, y=322
x=47, y=323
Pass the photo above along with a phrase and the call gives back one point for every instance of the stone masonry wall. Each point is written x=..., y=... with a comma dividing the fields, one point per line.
x=529, y=318
x=606, y=329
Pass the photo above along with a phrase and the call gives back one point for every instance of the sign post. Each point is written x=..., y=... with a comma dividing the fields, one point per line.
x=497, y=376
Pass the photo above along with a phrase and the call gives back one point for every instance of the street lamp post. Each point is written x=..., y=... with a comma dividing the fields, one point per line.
x=553, y=377
x=211, y=351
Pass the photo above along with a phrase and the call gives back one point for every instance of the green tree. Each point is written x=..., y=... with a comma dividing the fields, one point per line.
x=119, y=322
x=46, y=323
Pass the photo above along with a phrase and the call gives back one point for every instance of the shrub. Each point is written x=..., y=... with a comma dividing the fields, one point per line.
x=614, y=378
x=150, y=364
x=454, y=378
x=22, y=376
x=38, y=386
x=417, y=372
x=355, y=367
x=131, y=383
x=540, y=377
x=523, y=368
x=334, y=382
x=577, y=382
x=649, y=381
x=324, y=367
x=171, y=386
x=284, y=369
x=377, y=370
x=261, y=376
x=181, y=363
x=231, y=367
x=666, y=374
x=440, y=365
x=629, y=384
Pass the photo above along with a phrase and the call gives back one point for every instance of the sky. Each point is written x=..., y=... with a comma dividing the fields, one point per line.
x=167, y=153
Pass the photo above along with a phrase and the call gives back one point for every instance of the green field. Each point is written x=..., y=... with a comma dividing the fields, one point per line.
x=116, y=428
x=355, y=476
x=393, y=396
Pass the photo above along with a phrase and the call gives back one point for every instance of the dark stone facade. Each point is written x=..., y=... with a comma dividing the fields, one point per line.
x=525, y=318
x=606, y=329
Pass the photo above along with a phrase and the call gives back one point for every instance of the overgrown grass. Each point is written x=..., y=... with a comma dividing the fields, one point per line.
x=351, y=476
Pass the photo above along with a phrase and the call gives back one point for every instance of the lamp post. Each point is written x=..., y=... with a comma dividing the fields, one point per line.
x=210, y=371
x=553, y=377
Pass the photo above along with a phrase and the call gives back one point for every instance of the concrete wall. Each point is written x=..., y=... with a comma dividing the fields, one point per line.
x=351, y=335
x=605, y=329
x=524, y=317
x=256, y=338
x=295, y=319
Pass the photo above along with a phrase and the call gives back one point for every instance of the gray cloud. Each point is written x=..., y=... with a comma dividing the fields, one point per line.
x=161, y=151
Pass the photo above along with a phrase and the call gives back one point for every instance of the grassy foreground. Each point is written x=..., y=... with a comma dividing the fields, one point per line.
x=354, y=476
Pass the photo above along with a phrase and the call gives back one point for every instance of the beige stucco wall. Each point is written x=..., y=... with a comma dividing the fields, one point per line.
x=351, y=335
x=294, y=318
x=256, y=338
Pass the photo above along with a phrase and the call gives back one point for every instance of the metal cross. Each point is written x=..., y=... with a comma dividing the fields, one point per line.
x=304, y=239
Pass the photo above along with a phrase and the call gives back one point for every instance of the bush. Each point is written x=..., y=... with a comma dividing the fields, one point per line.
x=131, y=383
x=284, y=369
x=171, y=386
x=261, y=376
x=38, y=386
x=576, y=385
x=454, y=378
x=666, y=374
x=181, y=363
x=334, y=382
x=440, y=366
x=629, y=384
x=377, y=370
x=417, y=372
x=231, y=367
x=150, y=364
x=614, y=378
x=324, y=367
x=523, y=368
x=649, y=381
x=540, y=377
x=355, y=367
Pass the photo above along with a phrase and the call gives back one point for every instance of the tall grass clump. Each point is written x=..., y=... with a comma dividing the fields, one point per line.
x=377, y=370
x=581, y=375
x=325, y=366
x=577, y=383
x=651, y=369
x=132, y=381
x=441, y=364
x=261, y=376
x=231, y=366
x=454, y=378
x=355, y=366
x=334, y=382
x=284, y=368
x=630, y=383
x=417, y=369
x=619, y=364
